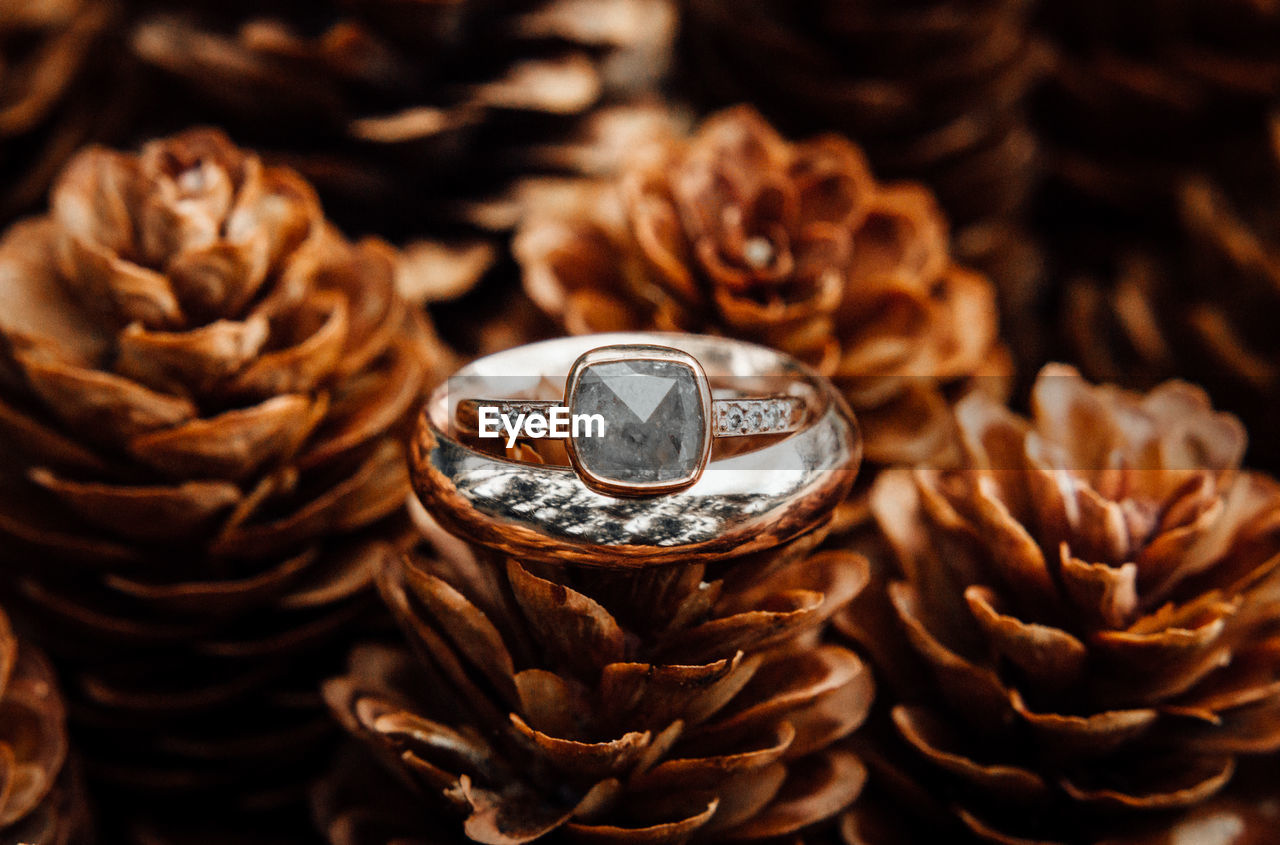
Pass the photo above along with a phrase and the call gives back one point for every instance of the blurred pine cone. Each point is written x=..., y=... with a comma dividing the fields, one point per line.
x=627, y=705
x=1206, y=306
x=934, y=91
x=1140, y=95
x=409, y=117
x=737, y=231
x=41, y=800
x=200, y=388
x=50, y=100
x=1080, y=635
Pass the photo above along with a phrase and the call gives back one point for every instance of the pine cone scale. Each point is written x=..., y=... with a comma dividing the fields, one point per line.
x=187, y=509
x=41, y=798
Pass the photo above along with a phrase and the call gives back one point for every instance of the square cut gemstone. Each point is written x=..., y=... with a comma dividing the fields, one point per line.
x=654, y=424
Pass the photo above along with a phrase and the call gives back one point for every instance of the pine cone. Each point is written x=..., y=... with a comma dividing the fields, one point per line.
x=1192, y=75
x=736, y=231
x=1152, y=109
x=411, y=116
x=934, y=91
x=640, y=704
x=1204, y=307
x=1225, y=820
x=42, y=800
x=1141, y=94
x=48, y=103
x=1081, y=634
x=200, y=388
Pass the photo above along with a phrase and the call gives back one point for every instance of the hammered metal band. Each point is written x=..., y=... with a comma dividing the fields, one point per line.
x=750, y=500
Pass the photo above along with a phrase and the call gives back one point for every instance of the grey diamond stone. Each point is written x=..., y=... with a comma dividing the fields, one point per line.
x=654, y=431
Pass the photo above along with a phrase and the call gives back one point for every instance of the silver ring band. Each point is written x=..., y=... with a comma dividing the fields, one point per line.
x=742, y=503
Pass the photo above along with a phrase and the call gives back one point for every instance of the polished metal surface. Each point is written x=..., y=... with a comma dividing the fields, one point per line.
x=741, y=503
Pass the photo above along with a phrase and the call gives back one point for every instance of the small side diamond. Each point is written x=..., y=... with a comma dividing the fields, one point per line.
x=752, y=416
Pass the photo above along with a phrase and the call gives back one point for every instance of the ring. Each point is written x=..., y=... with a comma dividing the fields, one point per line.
x=647, y=417
x=648, y=477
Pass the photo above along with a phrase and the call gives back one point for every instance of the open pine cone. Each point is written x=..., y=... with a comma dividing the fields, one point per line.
x=200, y=388
x=655, y=705
x=41, y=800
x=1081, y=633
x=410, y=116
x=934, y=91
x=738, y=232
x=47, y=107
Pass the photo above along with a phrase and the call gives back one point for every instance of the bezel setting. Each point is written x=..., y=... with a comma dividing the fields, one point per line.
x=635, y=353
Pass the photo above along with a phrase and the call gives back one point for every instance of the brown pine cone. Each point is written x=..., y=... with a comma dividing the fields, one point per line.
x=1080, y=633
x=934, y=91
x=41, y=800
x=1153, y=108
x=654, y=705
x=200, y=388
x=1205, y=307
x=1142, y=96
x=1224, y=820
x=49, y=101
x=409, y=117
x=738, y=232
x=1141, y=91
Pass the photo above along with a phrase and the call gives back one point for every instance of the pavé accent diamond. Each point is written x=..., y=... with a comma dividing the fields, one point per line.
x=751, y=416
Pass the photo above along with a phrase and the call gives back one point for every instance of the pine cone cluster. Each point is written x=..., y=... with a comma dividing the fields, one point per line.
x=48, y=105
x=934, y=91
x=206, y=387
x=739, y=232
x=411, y=116
x=201, y=389
x=656, y=704
x=42, y=800
x=1079, y=637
